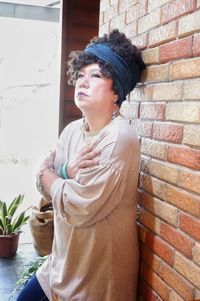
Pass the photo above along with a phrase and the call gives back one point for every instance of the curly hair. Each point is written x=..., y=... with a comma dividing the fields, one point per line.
x=119, y=43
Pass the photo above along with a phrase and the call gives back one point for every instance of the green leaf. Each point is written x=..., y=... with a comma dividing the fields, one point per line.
x=4, y=213
x=18, y=222
x=15, y=204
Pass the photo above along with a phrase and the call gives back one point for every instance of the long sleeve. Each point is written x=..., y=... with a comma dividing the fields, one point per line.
x=90, y=197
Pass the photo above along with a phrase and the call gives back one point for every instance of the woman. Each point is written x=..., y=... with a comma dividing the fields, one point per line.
x=93, y=183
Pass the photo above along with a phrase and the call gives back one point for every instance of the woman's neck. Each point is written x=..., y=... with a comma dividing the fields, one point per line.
x=96, y=123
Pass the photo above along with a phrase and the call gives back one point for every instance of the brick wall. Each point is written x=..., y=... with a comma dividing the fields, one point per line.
x=165, y=111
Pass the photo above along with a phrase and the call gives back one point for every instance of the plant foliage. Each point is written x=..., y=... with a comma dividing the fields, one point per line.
x=27, y=273
x=10, y=222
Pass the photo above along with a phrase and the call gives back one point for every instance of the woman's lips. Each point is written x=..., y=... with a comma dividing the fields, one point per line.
x=81, y=94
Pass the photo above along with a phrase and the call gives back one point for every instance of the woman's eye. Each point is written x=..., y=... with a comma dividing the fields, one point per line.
x=80, y=75
x=96, y=75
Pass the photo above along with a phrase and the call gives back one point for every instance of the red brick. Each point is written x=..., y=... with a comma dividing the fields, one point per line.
x=150, y=258
x=184, y=156
x=190, y=225
x=141, y=232
x=146, y=291
x=150, y=221
x=196, y=45
x=176, y=9
x=168, y=131
x=175, y=281
x=176, y=50
x=155, y=282
x=182, y=199
x=160, y=247
x=154, y=111
x=177, y=239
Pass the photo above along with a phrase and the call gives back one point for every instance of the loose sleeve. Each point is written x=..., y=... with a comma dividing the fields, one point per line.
x=90, y=197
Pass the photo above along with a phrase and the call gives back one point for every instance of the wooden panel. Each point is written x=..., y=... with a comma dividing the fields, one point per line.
x=80, y=24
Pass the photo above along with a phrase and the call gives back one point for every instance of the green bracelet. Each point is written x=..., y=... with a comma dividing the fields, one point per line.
x=64, y=171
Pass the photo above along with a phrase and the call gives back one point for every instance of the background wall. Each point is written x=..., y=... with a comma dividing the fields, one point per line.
x=29, y=96
x=165, y=111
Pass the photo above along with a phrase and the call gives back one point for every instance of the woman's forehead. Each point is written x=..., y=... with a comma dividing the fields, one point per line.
x=91, y=67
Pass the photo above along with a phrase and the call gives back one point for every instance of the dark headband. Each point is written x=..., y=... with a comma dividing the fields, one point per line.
x=125, y=75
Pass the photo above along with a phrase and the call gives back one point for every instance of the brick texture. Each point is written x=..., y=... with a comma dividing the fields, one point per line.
x=153, y=186
x=152, y=111
x=177, y=239
x=157, y=73
x=162, y=34
x=167, y=91
x=154, y=148
x=187, y=111
x=163, y=170
x=192, y=135
x=175, y=297
x=160, y=247
x=196, y=45
x=190, y=180
x=152, y=4
x=186, y=69
x=143, y=128
x=184, y=156
x=136, y=11
x=176, y=50
x=189, y=24
x=176, y=9
x=159, y=208
x=191, y=90
x=178, y=283
x=182, y=199
x=188, y=269
x=149, y=21
x=151, y=56
x=196, y=253
x=140, y=40
x=168, y=131
x=124, y=5
x=164, y=110
x=190, y=225
x=141, y=94
x=150, y=221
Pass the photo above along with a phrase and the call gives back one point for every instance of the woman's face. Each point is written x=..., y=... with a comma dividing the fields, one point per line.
x=93, y=91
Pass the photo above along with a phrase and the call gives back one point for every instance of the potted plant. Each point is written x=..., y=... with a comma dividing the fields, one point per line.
x=10, y=226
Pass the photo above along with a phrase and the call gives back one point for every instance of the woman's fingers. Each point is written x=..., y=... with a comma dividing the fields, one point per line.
x=91, y=155
x=87, y=149
x=88, y=163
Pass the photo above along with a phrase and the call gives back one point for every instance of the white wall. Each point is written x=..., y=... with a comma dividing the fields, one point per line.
x=29, y=102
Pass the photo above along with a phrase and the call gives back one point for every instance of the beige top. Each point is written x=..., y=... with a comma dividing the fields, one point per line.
x=95, y=249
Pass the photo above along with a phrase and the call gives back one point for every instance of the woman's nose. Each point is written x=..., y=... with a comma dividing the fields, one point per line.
x=84, y=82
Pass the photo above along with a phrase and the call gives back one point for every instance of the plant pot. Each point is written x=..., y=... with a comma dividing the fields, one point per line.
x=9, y=245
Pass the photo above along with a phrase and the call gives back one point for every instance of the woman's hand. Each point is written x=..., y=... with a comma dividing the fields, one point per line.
x=48, y=161
x=87, y=157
